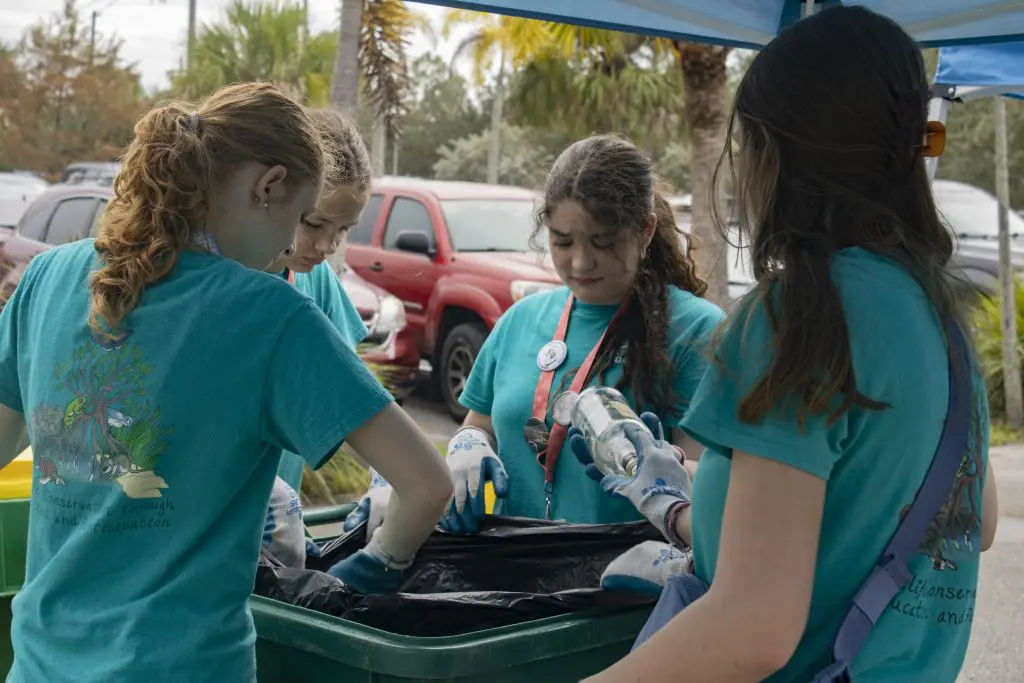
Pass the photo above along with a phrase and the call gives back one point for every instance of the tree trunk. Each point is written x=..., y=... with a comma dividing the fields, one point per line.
x=378, y=148
x=497, y=114
x=705, y=111
x=345, y=83
x=1008, y=303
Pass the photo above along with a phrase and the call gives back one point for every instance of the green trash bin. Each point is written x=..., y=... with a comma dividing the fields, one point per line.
x=296, y=645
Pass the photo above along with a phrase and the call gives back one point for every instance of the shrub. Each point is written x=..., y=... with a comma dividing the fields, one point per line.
x=988, y=339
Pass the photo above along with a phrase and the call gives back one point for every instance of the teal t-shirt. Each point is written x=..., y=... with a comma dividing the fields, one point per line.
x=154, y=457
x=505, y=375
x=873, y=463
x=323, y=286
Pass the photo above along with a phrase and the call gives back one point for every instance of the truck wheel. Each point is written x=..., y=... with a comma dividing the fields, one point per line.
x=458, y=353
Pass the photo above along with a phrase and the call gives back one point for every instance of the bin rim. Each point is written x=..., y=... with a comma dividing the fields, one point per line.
x=451, y=656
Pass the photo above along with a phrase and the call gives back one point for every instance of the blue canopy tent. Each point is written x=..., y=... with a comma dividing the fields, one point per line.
x=753, y=23
x=972, y=72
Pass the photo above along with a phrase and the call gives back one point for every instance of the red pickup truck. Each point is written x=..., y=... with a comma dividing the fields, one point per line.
x=457, y=255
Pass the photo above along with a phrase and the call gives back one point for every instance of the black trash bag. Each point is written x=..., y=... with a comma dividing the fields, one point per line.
x=515, y=570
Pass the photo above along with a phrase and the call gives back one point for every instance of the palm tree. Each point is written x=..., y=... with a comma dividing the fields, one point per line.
x=703, y=68
x=373, y=37
x=614, y=82
x=259, y=42
x=510, y=42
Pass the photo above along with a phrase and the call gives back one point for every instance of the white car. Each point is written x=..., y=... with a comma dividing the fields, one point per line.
x=740, y=275
x=16, y=192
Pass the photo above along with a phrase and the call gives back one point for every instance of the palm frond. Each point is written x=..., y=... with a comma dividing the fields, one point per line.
x=383, y=45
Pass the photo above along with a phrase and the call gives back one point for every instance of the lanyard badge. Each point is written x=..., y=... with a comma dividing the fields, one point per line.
x=547, y=442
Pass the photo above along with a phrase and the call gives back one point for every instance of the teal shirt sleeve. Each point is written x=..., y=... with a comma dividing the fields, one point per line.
x=10, y=318
x=10, y=383
x=693, y=325
x=334, y=302
x=741, y=357
x=317, y=390
x=478, y=394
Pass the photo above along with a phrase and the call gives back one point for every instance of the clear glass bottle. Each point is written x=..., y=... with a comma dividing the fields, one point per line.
x=601, y=414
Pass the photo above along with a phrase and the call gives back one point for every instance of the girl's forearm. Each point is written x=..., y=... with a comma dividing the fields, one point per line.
x=709, y=642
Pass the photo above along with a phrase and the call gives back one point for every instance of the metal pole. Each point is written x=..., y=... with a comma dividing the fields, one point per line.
x=92, y=37
x=938, y=110
x=191, y=32
x=1007, y=277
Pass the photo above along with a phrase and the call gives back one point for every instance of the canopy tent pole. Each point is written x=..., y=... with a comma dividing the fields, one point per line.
x=1007, y=279
x=938, y=110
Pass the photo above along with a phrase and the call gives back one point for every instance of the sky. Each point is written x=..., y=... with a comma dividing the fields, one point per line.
x=154, y=31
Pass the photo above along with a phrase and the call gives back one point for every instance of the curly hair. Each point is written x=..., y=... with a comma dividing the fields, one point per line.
x=179, y=154
x=615, y=183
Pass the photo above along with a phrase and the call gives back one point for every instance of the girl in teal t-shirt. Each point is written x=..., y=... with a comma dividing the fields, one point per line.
x=823, y=408
x=318, y=237
x=631, y=302
x=160, y=374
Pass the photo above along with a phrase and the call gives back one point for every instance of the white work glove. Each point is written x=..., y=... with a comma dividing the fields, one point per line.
x=284, y=535
x=646, y=568
x=372, y=506
x=473, y=462
x=660, y=481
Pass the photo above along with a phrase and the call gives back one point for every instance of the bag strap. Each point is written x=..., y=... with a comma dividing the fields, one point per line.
x=890, y=573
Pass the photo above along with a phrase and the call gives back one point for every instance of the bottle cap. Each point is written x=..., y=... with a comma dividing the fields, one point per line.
x=561, y=409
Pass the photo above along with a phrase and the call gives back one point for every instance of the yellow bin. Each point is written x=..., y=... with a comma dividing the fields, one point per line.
x=16, y=478
x=15, y=490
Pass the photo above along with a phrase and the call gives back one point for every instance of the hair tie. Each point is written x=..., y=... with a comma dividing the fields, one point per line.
x=193, y=122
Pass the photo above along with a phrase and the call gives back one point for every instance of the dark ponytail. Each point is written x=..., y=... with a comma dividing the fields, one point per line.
x=615, y=182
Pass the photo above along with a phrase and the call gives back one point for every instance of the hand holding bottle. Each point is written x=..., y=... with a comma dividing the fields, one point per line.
x=660, y=481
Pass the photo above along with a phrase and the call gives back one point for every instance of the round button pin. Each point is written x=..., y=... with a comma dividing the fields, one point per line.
x=552, y=355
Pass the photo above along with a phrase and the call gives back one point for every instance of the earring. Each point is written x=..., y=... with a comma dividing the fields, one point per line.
x=265, y=204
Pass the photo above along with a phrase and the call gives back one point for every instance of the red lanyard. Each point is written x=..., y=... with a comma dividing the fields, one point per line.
x=543, y=392
x=291, y=276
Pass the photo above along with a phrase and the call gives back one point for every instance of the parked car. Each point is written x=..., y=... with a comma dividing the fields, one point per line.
x=739, y=272
x=970, y=212
x=65, y=213
x=92, y=172
x=457, y=255
x=973, y=215
x=17, y=190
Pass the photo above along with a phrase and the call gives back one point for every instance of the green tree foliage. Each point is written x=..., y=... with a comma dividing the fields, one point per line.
x=988, y=340
x=523, y=162
x=970, y=146
x=442, y=111
x=628, y=86
x=260, y=41
x=62, y=100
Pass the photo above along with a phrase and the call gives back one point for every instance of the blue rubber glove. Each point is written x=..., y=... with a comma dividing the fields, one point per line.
x=372, y=506
x=371, y=571
x=473, y=462
x=660, y=481
x=646, y=568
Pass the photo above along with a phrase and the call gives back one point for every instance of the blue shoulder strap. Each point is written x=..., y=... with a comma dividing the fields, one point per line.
x=891, y=574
